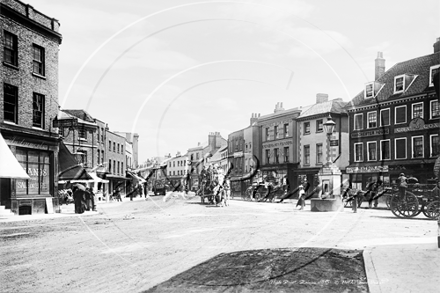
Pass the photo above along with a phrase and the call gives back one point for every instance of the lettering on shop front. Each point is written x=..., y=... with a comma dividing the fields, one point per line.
x=367, y=169
x=24, y=143
x=277, y=144
x=370, y=133
x=415, y=127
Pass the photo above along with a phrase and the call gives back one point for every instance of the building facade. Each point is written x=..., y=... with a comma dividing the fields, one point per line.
x=133, y=139
x=314, y=148
x=28, y=103
x=116, y=167
x=279, y=143
x=394, y=123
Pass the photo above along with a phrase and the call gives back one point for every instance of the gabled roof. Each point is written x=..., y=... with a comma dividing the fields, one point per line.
x=419, y=67
x=333, y=106
x=63, y=115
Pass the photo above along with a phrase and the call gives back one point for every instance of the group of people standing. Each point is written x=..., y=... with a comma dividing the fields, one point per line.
x=83, y=198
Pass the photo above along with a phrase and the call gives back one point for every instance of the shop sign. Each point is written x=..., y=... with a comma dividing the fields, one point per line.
x=334, y=142
x=367, y=169
x=370, y=133
x=417, y=124
x=277, y=144
x=26, y=144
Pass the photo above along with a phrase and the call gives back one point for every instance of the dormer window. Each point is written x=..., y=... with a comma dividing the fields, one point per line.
x=432, y=72
x=372, y=89
x=399, y=84
x=369, y=90
x=403, y=82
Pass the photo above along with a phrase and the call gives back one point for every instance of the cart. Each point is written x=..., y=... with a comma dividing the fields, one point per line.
x=419, y=198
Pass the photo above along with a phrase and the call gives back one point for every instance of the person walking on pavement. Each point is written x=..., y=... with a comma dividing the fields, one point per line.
x=78, y=198
x=301, y=201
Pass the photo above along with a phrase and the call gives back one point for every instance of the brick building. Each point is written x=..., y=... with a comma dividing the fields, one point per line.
x=394, y=122
x=28, y=104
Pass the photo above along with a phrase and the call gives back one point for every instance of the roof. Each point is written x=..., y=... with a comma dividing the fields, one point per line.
x=63, y=115
x=420, y=67
x=333, y=106
x=81, y=114
x=279, y=114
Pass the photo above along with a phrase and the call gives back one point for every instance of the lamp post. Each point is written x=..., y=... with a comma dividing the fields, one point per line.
x=329, y=127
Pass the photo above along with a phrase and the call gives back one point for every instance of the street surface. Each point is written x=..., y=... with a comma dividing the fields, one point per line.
x=131, y=246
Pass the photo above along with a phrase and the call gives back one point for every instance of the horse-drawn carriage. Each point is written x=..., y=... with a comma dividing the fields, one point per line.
x=418, y=198
x=263, y=192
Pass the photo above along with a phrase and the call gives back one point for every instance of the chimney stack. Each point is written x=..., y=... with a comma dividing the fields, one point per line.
x=254, y=118
x=437, y=46
x=321, y=98
x=379, y=68
x=278, y=107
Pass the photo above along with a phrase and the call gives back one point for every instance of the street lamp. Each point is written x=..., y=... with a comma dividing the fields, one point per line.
x=329, y=127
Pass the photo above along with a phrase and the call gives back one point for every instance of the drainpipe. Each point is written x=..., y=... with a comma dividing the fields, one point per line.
x=340, y=140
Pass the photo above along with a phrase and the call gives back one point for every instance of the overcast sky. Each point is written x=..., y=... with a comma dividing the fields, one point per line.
x=175, y=70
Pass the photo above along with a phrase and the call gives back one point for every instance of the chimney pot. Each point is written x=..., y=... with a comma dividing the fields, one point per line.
x=379, y=68
x=437, y=46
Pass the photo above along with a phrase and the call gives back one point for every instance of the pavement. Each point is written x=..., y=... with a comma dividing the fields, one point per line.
x=393, y=265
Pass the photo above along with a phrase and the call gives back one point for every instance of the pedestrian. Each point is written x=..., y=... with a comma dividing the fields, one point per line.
x=301, y=198
x=286, y=184
x=402, y=184
x=227, y=188
x=78, y=198
x=87, y=200
x=373, y=194
x=92, y=199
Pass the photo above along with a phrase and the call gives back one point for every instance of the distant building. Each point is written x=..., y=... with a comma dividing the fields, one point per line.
x=394, y=122
x=30, y=43
x=132, y=138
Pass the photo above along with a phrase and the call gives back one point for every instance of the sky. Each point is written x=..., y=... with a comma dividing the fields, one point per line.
x=175, y=70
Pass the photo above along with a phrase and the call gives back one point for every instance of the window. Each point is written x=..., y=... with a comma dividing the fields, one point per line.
x=306, y=127
x=385, y=150
x=122, y=167
x=319, y=153
x=10, y=51
x=110, y=166
x=435, y=110
x=372, y=151
x=432, y=71
x=372, y=119
x=276, y=151
x=286, y=130
x=82, y=133
x=369, y=90
x=102, y=135
x=358, y=152
x=114, y=167
x=122, y=149
x=358, y=121
x=417, y=146
x=306, y=155
x=434, y=145
x=38, y=111
x=319, y=125
x=286, y=154
x=385, y=117
x=400, y=114
x=10, y=109
x=37, y=165
x=267, y=156
x=38, y=59
x=400, y=148
x=118, y=168
x=118, y=148
x=98, y=156
x=417, y=110
x=102, y=157
x=114, y=147
x=109, y=145
x=197, y=156
x=267, y=133
x=399, y=84
x=275, y=130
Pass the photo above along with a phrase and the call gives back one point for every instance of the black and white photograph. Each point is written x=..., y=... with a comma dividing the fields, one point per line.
x=219, y=146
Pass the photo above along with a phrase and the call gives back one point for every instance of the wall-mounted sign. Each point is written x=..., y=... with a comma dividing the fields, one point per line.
x=334, y=142
x=277, y=144
x=370, y=133
x=367, y=169
x=416, y=124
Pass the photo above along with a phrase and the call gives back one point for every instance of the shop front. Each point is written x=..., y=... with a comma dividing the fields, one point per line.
x=38, y=155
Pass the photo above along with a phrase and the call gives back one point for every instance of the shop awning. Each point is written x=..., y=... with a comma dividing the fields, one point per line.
x=136, y=179
x=9, y=166
x=68, y=167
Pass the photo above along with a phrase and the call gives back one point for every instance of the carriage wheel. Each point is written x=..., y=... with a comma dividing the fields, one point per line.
x=405, y=207
x=432, y=210
x=388, y=200
x=257, y=196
